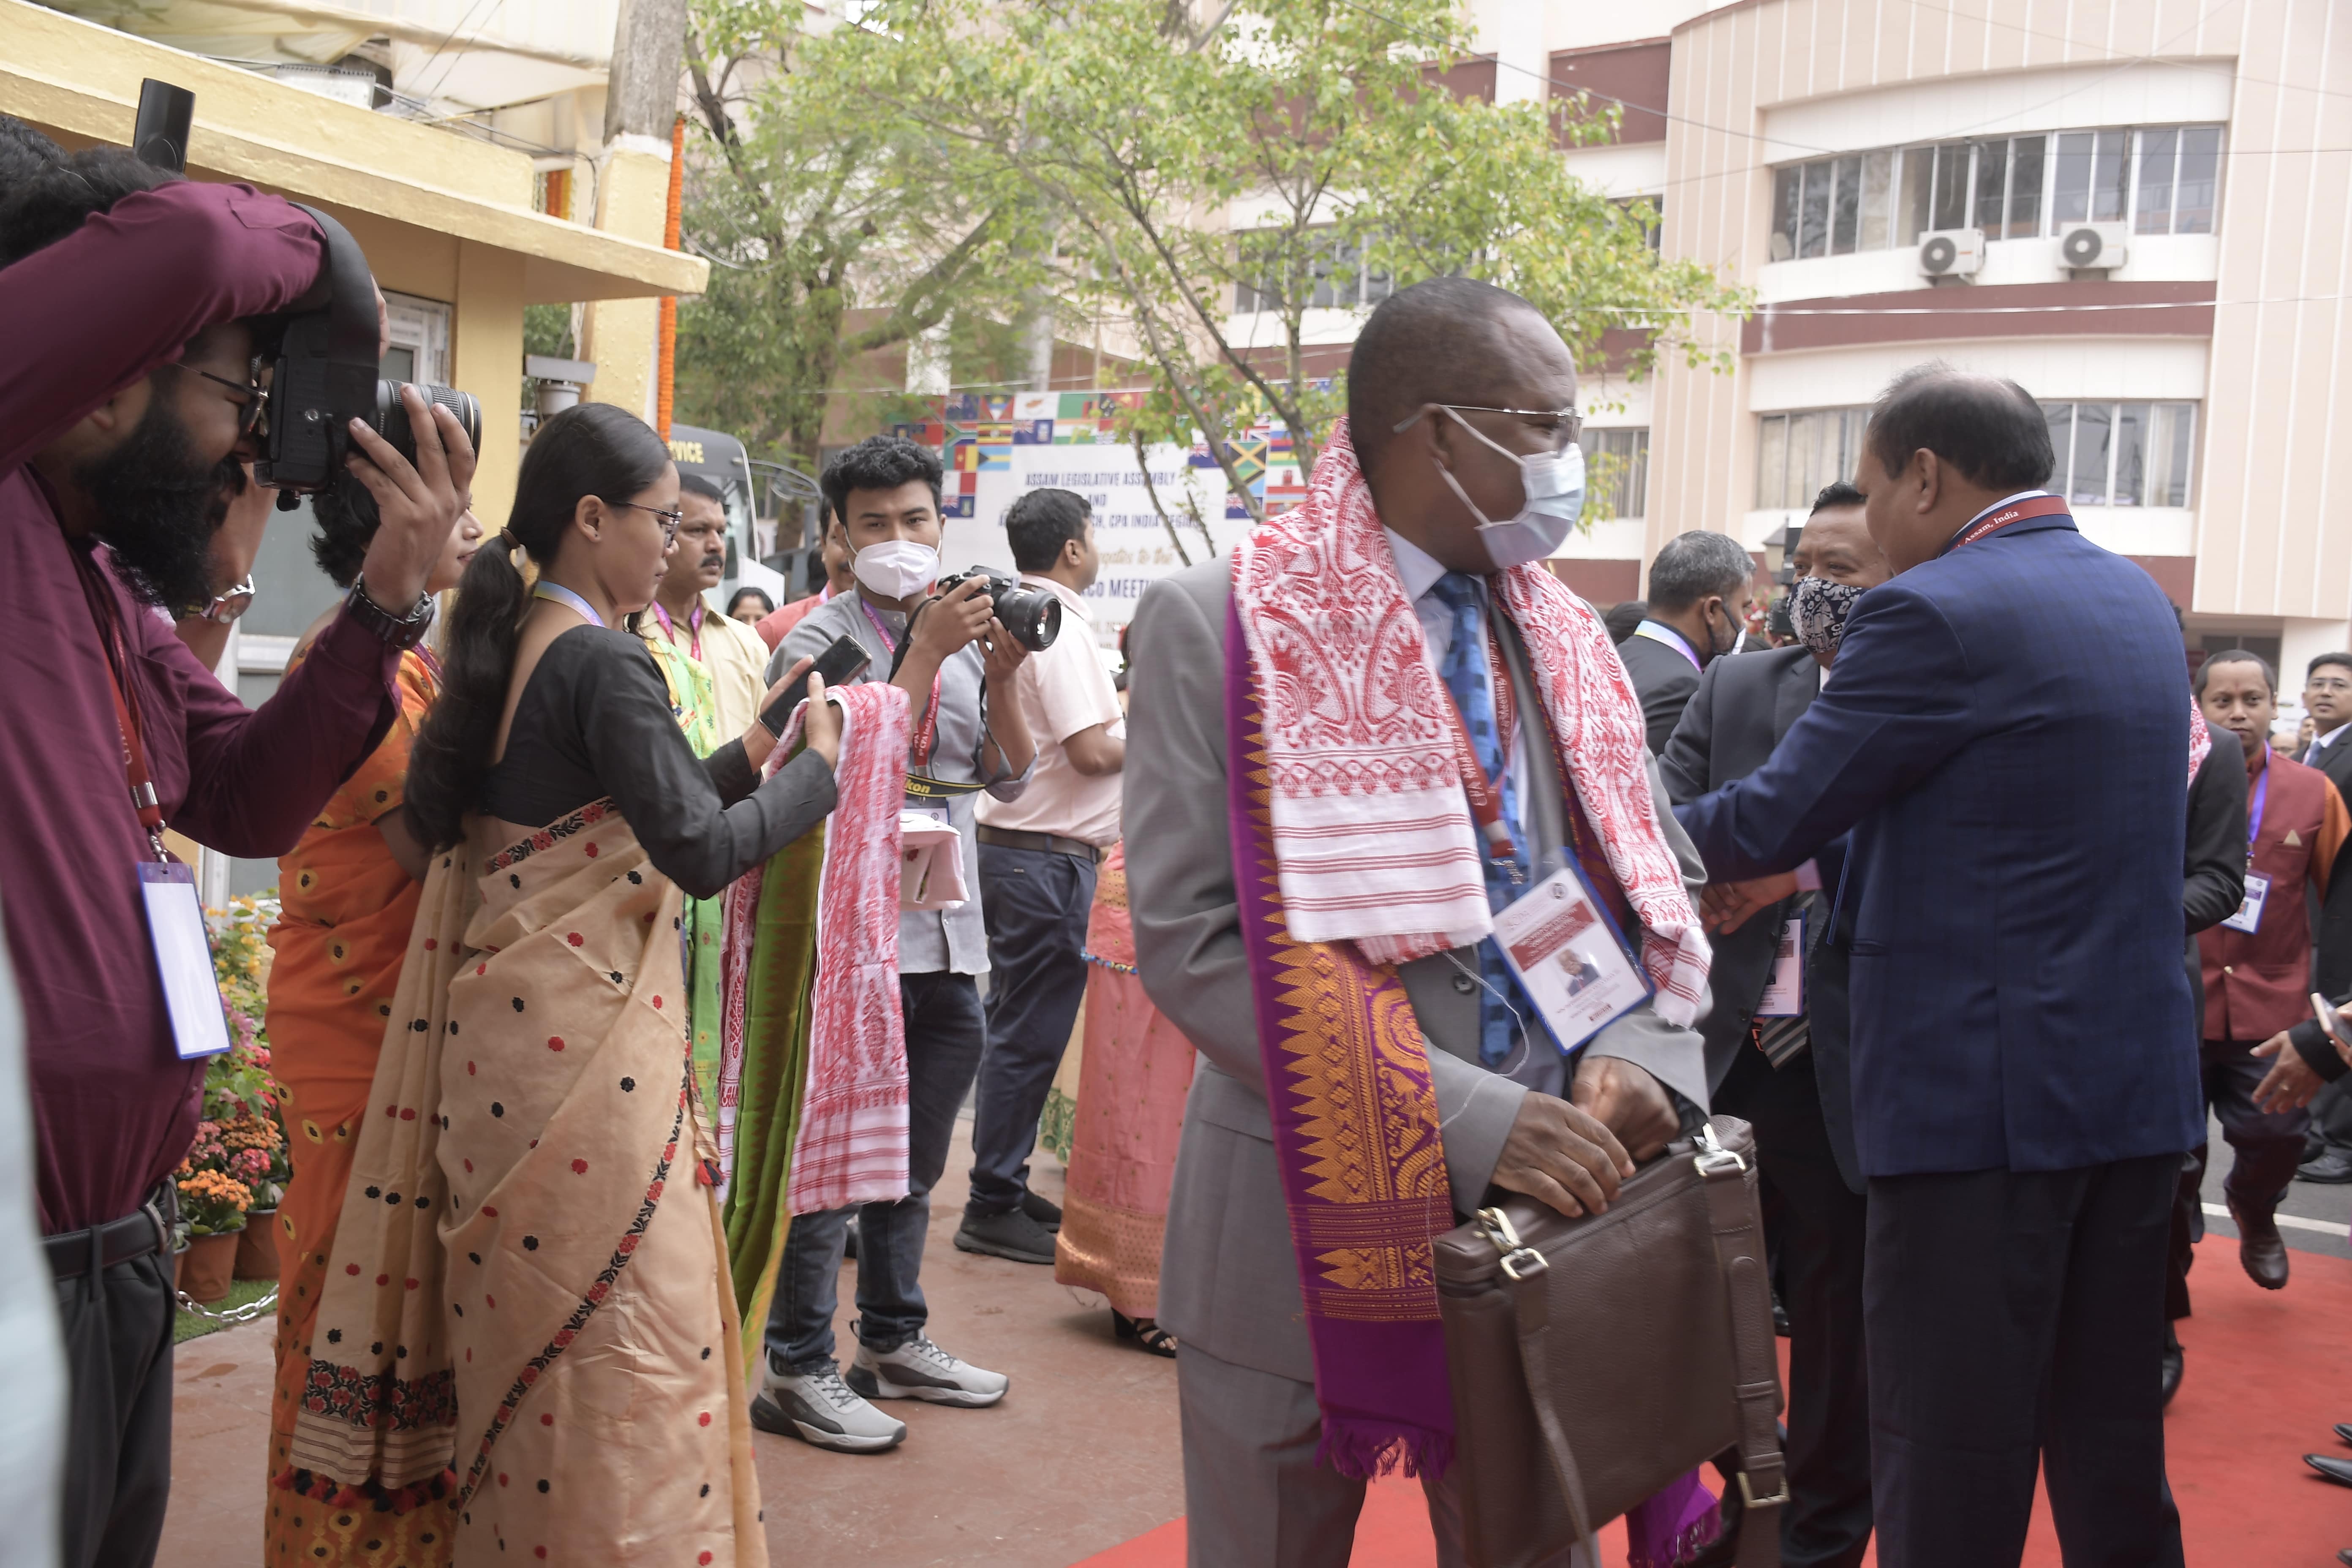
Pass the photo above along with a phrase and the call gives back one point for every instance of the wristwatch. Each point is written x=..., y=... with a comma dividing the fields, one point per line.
x=399, y=631
x=225, y=607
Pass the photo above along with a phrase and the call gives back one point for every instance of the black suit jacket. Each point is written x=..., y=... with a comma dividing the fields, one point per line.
x=1739, y=709
x=2332, y=973
x=1664, y=680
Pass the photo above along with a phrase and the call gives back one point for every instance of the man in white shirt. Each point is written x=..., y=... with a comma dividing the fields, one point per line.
x=1037, y=860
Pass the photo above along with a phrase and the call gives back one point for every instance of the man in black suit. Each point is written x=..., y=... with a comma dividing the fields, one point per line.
x=1776, y=1044
x=2327, y=697
x=1700, y=588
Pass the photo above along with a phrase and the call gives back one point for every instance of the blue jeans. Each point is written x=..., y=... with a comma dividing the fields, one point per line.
x=945, y=1034
x=1036, y=903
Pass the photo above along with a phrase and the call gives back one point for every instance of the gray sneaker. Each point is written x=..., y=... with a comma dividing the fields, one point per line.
x=818, y=1407
x=1010, y=1234
x=920, y=1370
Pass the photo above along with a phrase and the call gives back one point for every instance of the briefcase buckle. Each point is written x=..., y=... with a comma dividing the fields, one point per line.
x=1520, y=1261
x=1747, y=1492
x=1712, y=1156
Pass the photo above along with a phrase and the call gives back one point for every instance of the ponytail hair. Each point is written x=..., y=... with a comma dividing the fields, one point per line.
x=589, y=449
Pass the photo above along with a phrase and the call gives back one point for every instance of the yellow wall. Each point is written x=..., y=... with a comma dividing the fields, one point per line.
x=485, y=359
x=632, y=200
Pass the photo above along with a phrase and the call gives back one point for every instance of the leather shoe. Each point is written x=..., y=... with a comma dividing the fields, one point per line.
x=2343, y=1430
x=2333, y=1168
x=2173, y=1362
x=2334, y=1470
x=2260, y=1248
x=2344, y=1556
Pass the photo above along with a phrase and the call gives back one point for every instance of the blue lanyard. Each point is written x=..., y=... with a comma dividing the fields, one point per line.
x=560, y=595
x=2255, y=816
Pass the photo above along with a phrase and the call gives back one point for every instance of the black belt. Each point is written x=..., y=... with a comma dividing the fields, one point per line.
x=1043, y=842
x=98, y=1247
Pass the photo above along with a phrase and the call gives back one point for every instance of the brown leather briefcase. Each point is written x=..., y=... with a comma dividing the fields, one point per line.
x=1595, y=1359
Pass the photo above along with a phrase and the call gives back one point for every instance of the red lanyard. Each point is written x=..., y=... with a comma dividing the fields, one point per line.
x=926, y=741
x=144, y=799
x=693, y=625
x=1994, y=522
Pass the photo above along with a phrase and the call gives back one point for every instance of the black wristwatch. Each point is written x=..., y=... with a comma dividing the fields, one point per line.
x=399, y=631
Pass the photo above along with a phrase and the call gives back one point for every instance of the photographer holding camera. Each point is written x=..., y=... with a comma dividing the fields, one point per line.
x=956, y=661
x=135, y=305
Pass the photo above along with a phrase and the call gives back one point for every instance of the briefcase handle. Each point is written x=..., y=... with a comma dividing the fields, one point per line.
x=1740, y=1259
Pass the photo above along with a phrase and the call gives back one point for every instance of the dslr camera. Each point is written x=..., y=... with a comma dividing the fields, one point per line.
x=1032, y=616
x=324, y=376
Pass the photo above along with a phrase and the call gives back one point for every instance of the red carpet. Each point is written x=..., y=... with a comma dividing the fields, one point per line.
x=2269, y=1375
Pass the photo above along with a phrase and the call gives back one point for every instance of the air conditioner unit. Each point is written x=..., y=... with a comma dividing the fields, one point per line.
x=1951, y=252
x=2094, y=247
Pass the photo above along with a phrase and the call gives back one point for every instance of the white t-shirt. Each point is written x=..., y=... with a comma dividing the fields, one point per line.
x=1063, y=690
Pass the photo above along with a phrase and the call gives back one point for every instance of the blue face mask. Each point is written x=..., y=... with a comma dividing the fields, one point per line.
x=1553, y=483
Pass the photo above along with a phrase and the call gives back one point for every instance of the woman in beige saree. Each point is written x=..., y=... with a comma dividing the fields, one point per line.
x=527, y=1320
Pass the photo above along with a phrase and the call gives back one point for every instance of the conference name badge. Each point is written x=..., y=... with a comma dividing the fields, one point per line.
x=1567, y=956
x=1784, y=993
x=183, y=959
x=2250, y=911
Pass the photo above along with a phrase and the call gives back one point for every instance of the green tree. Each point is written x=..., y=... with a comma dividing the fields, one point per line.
x=834, y=226
x=1296, y=155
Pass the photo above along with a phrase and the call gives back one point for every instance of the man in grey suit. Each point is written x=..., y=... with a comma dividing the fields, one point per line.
x=1777, y=1056
x=1562, y=1130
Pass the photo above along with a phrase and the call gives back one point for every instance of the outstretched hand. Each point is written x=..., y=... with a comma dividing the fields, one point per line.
x=2289, y=1083
x=419, y=502
x=1727, y=906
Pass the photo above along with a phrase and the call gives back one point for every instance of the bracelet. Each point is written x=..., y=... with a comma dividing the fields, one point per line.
x=398, y=631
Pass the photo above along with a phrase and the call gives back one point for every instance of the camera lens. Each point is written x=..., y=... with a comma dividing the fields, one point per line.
x=391, y=419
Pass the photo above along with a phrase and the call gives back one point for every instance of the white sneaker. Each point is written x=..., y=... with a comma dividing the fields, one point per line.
x=818, y=1407
x=920, y=1370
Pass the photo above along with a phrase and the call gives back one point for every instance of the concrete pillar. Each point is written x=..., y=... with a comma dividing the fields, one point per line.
x=485, y=359
x=1513, y=31
x=619, y=335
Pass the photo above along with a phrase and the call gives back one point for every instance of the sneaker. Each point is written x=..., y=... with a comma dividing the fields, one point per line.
x=920, y=1370
x=818, y=1407
x=1010, y=1234
x=1044, y=1211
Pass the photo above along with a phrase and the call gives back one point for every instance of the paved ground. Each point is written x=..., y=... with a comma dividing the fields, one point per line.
x=1081, y=1455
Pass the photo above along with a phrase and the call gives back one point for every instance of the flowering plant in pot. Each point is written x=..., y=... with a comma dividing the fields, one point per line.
x=213, y=1203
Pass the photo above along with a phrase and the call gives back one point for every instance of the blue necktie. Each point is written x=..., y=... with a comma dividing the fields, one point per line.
x=1464, y=671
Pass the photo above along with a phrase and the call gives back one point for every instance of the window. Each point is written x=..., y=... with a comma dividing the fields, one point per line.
x=2121, y=454
x=1622, y=490
x=1338, y=275
x=2161, y=180
x=1797, y=454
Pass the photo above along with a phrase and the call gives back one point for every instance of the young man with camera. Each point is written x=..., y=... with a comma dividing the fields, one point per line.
x=957, y=663
x=134, y=307
x=1037, y=859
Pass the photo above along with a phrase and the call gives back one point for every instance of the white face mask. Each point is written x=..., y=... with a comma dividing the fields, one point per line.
x=896, y=568
x=1554, y=487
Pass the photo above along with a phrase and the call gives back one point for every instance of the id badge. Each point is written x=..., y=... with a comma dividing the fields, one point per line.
x=183, y=959
x=1567, y=958
x=2250, y=913
x=1784, y=993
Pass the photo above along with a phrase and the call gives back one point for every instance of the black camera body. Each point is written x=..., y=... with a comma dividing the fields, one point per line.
x=1032, y=616
x=324, y=376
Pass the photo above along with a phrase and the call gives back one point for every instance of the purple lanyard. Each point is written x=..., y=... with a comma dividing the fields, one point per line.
x=2255, y=816
x=693, y=623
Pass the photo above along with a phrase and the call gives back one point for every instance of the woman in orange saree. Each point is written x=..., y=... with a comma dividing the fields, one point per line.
x=349, y=890
x=528, y=1319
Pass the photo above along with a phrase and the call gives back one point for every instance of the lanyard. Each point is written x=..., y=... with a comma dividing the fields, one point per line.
x=925, y=743
x=1993, y=522
x=2254, y=815
x=1671, y=638
x=693, y=625
x=556, y=592
x=116, y=658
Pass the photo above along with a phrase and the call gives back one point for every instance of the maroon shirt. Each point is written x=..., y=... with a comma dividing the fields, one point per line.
x=2258, y=982
x=114, y=1106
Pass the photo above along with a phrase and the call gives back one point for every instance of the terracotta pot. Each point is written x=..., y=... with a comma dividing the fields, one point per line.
x=256, y=1246
x=179, y=1266
x=208, y=1265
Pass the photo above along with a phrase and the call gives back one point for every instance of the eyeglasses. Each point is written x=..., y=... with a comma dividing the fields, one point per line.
x=2330, y=683
x=252, y=400
x=668, y=520
x=1566, y=422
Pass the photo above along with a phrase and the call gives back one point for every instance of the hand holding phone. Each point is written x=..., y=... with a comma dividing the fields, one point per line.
x=836, y=665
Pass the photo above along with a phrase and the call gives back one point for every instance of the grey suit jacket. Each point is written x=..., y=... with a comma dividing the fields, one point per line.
x=1228, y=1280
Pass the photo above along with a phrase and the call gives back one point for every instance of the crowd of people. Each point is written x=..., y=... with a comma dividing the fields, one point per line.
x=631, y=975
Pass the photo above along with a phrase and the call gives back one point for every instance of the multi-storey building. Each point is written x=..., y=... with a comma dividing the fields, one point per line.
x=2141, y=211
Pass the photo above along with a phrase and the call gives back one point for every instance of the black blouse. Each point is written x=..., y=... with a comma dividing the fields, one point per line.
x=594, y=721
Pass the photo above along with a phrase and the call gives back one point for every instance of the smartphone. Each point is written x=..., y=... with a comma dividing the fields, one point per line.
x=837, y=664
x=2329, y=1019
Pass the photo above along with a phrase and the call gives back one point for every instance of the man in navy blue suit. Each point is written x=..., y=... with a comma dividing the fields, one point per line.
x=2006, y=736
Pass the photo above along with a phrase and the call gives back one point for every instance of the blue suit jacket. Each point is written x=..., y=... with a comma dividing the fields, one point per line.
x=2006, y=734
